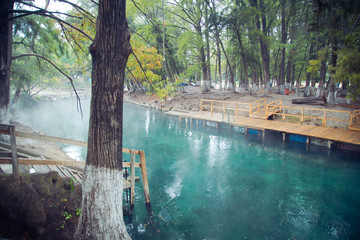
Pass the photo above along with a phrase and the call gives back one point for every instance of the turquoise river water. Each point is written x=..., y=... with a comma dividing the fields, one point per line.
x=208, y=183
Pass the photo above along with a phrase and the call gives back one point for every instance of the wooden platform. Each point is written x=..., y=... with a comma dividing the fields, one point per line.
x=327, y=133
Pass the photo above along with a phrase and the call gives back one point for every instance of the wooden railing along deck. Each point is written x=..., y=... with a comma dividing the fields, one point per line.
x=354, y=123
x=224, y=107
x=257, y=106
x=15, y=161
x=323, y=115
x=260, y=107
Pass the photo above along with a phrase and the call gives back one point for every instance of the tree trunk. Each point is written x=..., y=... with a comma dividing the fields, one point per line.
x=323, y=69
x=308, y=75
x=207, y=39
x=263, y=45
x=332, y=87
x=6, y=8
x=283, y=41
x=102, y=215
x=242, y=53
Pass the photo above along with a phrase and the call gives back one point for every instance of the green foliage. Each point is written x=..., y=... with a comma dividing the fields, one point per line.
x=78, y=211
x=67, y=216
x=314, y=66
x=150, y=62
x=348, y=65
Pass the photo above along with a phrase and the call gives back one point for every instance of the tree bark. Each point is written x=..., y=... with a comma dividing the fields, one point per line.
x=308, y=75
x=332, y=87
x=283, y=41
x=207, y=39
x=6, y=8
x=263, y=45
x=102, y=215
x=242, y=53
x=217, y=37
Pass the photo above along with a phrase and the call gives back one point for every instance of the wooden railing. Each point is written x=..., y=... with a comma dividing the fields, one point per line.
x=273, y=107
x=354, y=119
x=308, y=113
x=10, y=130
x=224, y=107
x=256, y=106
x=276, y=108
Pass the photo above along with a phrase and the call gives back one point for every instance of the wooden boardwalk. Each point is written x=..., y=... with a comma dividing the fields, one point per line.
x=326, y=133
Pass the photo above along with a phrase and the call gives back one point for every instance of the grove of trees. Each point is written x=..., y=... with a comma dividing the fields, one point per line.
x=250, y=44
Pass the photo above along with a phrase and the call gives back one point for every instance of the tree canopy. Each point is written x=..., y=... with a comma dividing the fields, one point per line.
x=216, y=43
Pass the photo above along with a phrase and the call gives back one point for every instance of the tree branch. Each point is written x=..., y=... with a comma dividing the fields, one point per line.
x=67, y=76
x=48, y=14
x=147, y=79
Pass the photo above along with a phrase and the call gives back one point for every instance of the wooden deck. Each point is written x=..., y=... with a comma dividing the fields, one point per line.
x=327, y=133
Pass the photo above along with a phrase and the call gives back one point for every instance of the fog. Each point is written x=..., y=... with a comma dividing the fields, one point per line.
x=61, y=118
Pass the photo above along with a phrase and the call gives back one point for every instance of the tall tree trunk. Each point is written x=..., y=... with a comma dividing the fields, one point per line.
x=263, y=45
x=323, y=69
x=217, y=37
x=283, y=41
x=308, y=75
x=331, y=99
x=290, y=68
x=242, y=53
x=102, y=215
x=6, y=8
x=231, y=70
x=207, y=39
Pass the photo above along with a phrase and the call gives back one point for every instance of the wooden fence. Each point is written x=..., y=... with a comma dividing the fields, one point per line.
x=225, y=107
x=257, y=106
x=354, y=123
x=11, y=158
x=298, y=114
x=318, y=115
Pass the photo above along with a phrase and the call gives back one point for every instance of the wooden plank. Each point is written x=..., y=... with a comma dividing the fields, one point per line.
x=132, y=181
x=14, y=159
x=25, y=161
x=28, y=161
x=128, y=164
x=144, y=177
x=50, y=138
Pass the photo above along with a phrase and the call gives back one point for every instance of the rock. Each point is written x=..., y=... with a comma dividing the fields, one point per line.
x=39, y=206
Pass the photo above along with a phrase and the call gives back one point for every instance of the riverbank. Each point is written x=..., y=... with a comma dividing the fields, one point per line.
x=190, y=101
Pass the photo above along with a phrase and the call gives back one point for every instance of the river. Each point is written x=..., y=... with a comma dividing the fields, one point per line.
x=208, y=183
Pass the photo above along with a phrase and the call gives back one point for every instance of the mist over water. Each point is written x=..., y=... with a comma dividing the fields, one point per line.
x=60, y=119
x=208, y=183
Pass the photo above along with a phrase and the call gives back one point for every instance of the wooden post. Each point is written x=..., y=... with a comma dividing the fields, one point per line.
x=302, y=115
x=14, y=160
x=201, y=105
x=324, y=119
x=307, y=143
x=236, y=112
x=250, y=106
x=283, y=113
x=351, y=119
x=263, y=136
x=266, y=111
x=223, y=106
x=144, y=177
x=329, y=144
x=212, y=107
x=132, y=180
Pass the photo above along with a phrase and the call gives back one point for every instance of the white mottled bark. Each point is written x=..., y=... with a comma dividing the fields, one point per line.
x=102, y=205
